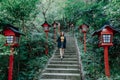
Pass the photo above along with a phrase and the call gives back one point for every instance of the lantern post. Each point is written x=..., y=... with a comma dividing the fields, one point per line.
x=72, y=27
x=59, y=28
x=54, y=27
x=11, y=61
x=84, y=28
x=106, y=62
x=12, y=39
x=105, y=35
x=46, y=26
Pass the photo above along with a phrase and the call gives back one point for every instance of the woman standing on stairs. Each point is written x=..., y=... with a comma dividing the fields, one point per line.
x=61, y=44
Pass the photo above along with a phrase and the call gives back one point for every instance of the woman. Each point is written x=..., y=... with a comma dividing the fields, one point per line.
x=61, y=44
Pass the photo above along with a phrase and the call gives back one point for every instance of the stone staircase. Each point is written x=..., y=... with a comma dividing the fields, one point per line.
x=67, y=69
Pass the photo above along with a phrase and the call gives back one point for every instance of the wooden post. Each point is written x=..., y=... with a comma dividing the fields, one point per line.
x=59, y=28
x=11, y=61
x=55, y=35
x=106, y=62
x=46, y=35
x=46, y=50
x=84, y=42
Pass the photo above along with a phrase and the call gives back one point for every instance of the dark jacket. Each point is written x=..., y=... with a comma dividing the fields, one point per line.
x=60, y=43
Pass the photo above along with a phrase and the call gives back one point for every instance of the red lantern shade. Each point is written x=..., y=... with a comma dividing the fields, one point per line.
x=105, y=35
x=12, y=35
x=46, y=26
x=84, y=28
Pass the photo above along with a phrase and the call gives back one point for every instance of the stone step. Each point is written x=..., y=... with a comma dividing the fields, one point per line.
x=62, y=74
x=67, y=52
x=61, y=78
x=62, y=71
x=62, y=66
x=63, y=62
x=65, y=59
x=67, y=56
x=70, y=76
x=65, y=69
x=68, y=49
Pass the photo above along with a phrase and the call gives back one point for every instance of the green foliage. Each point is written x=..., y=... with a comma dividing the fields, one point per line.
x=96, y=14
x=30, y=57
x=4, y=66
x=29, y=60
x=19, y=9
x=33, y=67
x=112, y=10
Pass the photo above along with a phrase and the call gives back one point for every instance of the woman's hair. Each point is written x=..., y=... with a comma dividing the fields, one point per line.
x=61, y=33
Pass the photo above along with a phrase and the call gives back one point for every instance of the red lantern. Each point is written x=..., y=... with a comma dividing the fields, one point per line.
x=12, y=39
x=46, y=26
x=12, y=35
x=105, y=35
x=84, y=28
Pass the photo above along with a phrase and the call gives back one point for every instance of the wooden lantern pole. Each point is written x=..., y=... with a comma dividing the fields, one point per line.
x=55, y=35
x=84, y=41
x=106, y=62
x=46, y=50
x=11, y=62
x=59, y=28
x=46, y=35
